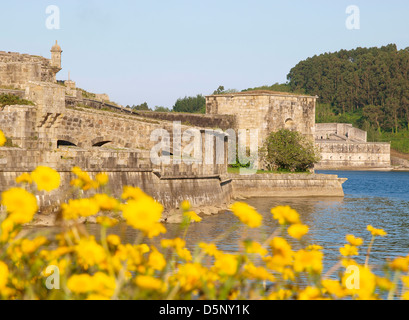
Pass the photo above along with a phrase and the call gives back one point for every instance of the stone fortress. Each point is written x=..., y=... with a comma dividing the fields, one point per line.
x=67, y=126
x=345, y=147
x=342, y=146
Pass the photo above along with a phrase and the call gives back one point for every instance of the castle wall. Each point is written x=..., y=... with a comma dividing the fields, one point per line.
x=287, y=185
x=16, y=70
x=339, y=131
x=266, y=112
x=353, y=155
x=124, y=167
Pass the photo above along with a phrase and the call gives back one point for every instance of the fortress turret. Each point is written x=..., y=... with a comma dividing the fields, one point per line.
x=56, y=57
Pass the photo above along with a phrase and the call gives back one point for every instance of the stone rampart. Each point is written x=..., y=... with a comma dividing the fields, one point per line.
x=353, y=155
x=339, y=131
x=223, y=122
x=287, y=185
x=16, y=70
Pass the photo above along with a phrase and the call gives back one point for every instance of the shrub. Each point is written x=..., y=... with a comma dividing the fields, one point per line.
x=289, y=150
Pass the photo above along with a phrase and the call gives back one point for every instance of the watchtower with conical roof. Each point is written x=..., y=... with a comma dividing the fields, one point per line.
x=56, y=57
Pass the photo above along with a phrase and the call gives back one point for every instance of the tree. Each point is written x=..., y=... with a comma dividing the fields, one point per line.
x=221, y=90
x=191, y=104
x=142, y=106
x=353, y=80
x=161, y=109
x=289, y=150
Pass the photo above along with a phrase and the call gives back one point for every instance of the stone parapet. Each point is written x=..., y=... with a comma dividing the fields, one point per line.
x=353, y=155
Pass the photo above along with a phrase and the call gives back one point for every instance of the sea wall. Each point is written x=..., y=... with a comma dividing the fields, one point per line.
x=287, y=185
x=169, y=184
x=353, y=155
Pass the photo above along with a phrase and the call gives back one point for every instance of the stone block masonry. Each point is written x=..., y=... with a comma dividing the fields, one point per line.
x=16, y=69
x=266, y=111
x=353, y=155
x=287, y=185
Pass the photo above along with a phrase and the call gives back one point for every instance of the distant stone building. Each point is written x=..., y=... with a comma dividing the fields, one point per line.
x=339, y=132
x=344, y=147
x=266, y=111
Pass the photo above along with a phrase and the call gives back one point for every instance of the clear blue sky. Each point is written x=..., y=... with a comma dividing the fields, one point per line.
x=159, y=50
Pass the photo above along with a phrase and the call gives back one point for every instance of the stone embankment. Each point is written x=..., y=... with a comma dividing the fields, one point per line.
x=208, y=195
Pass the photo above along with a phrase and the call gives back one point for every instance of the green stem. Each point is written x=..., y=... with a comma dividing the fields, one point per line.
x=369, y=251
x=394, y=286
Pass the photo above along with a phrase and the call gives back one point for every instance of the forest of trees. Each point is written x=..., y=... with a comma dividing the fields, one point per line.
x=370, y=83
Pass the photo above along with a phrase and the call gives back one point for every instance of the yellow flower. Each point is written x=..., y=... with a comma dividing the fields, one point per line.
x=185, y=205
x=79, y=208
x=354, y=241
x=4, y=275
x=30, y=246
x=376, y=232
x=333, y=287
x=114, y=240
x=384, y=283
x=247, y=214
x=81, y=283
x=89, y=252
x=156, y=260
x=83, y=181
x=281, y=247
x=361, y=282
x=285, y=215
x=310, y=261
x=173, y=243
x=297, y=230
x=46, y=178
x=252, y=247
x=348, y=250
x=6, y=228
x=189, y=276
x=105, y=202
x=149, y=283
x=96, y=297
x=143, y=213
x=209, y=249
x=100, y=284
x=184, y=254
x=405, y=281
x=226, y=264
x=313, y=247
x=103, y=284
x=102, y=179
x=257, y=273
x=310, y=293
x=3, y=139
x=405, y=296
x=281, y=294
x=192, y=216
x=132, y=193
x=107, y=221
x=24, y=178
x=21, y=204
x=155, y=230
x=400, y=264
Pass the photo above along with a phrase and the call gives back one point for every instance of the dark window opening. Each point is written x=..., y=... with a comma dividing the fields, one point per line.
x=100, y=144
x=65, y=143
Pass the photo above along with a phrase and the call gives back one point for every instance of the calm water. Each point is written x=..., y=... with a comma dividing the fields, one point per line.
x=377, y=198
